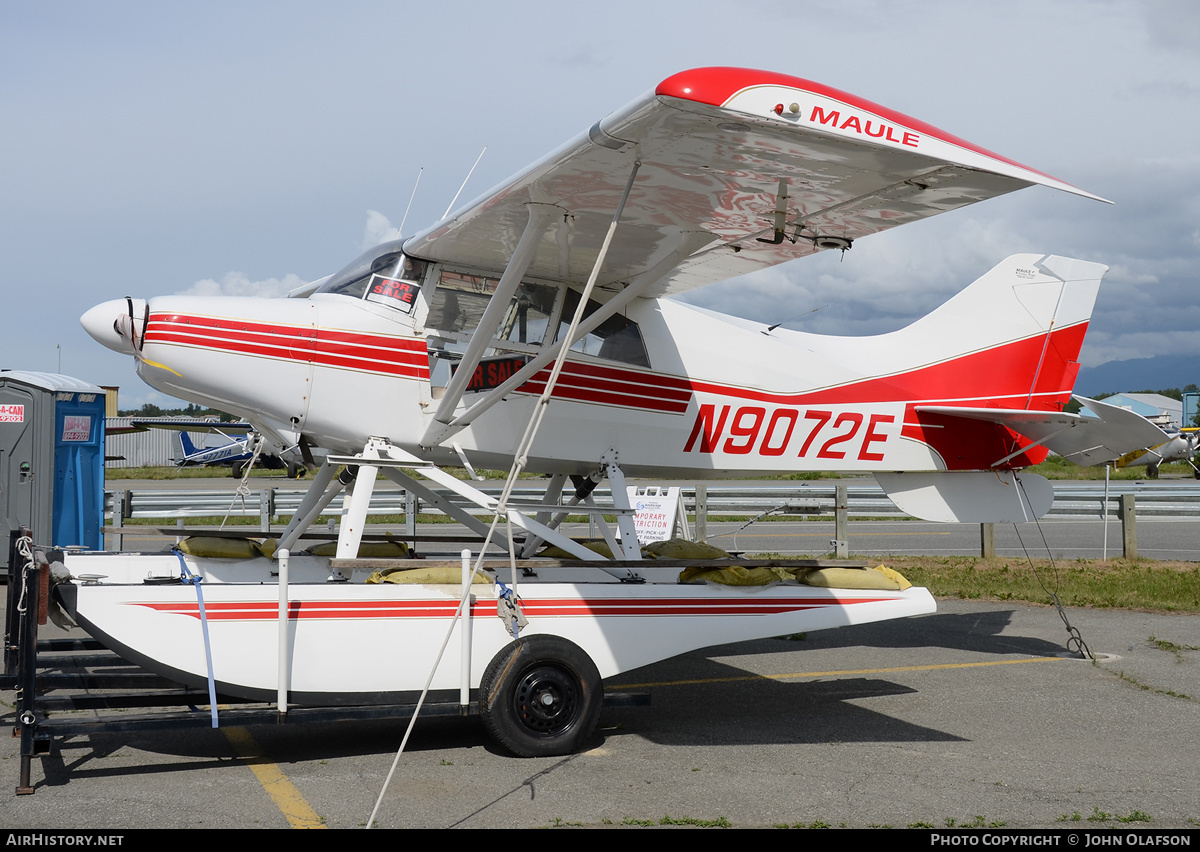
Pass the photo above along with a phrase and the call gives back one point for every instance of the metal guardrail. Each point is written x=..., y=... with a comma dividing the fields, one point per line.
x=865, y=500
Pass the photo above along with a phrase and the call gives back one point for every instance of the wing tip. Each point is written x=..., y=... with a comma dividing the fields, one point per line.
x=717, y=86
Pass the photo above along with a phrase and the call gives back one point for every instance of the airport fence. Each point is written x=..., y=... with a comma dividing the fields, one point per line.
x=863, y=500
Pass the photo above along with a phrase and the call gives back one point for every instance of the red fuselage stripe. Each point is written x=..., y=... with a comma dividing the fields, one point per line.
x=366, y=352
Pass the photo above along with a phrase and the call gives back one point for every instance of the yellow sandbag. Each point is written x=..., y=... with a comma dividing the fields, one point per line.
x=734, y=575
x=213, y=547
x=866, y=579
x=268, y=547
x=893, y=574
x=426, y=576
x=598, y=547
x=681, y=548
x=390, y=549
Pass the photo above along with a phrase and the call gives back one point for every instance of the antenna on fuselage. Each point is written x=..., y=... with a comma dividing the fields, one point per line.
x=771, y=328
x=464, y=183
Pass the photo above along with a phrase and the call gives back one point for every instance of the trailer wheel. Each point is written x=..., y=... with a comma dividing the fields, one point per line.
x=541, y=696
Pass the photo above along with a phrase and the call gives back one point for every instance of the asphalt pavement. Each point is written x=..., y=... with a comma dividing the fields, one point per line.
x=974, y=716
x=970, y=716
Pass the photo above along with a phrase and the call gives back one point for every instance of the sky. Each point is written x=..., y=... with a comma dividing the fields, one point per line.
x=150, y=148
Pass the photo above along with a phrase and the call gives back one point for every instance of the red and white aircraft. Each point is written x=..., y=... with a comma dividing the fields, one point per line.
x=438, y=345
x=441, y=349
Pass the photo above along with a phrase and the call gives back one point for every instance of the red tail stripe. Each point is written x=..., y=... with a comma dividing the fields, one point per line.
x=1002, y=372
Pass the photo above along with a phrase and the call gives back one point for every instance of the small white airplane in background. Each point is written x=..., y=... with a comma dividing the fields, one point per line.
x=234, y=449
x=1180, y=445
x=237, y=452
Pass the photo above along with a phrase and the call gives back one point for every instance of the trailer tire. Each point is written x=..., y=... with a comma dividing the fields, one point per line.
x=541, y=696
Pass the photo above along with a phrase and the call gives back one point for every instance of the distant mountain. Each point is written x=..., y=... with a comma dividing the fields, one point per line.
x=1135, y=374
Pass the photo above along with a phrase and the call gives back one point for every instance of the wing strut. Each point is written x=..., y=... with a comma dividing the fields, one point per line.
x=691, y=241
x=540, y=216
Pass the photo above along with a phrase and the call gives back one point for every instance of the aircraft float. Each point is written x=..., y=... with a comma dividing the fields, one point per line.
x=533, y=329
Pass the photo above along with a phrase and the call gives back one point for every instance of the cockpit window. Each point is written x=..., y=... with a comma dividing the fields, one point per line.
x=537, y=315
x=382, y=274
x=459, y=301
x=529, y=314
x=617, y=338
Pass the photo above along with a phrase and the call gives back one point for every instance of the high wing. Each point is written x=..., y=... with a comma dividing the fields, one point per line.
x=739, y=170
x=240, y=427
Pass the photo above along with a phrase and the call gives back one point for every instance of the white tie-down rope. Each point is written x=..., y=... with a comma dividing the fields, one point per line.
x=519, y=460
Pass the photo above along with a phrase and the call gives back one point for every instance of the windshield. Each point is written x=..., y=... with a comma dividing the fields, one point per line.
x=381, y=274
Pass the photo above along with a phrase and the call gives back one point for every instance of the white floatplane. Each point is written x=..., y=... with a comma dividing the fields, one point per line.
x=532, y=328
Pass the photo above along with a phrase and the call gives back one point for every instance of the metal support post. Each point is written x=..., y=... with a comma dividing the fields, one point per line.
x=29, y=573
x=987, y=541
x=283, y=650
x=701, y=512
x=12, y=621
x=354, y=516
x=841, y=544
x=465, y=631
x=1104, y=510
x=620, y=497
x=411, y=509
x=541, y=216
x=320, y=494
x=120, y=511
x=266, y=509
x=1129, y=526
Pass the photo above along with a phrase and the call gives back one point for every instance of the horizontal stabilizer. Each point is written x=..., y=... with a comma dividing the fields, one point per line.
x=1106, y=437
x=969, y=496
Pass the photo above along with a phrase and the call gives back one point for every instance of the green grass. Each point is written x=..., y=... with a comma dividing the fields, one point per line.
x=1141, y=584
x=114, y=474
x=1056, y=467
x=719, y=822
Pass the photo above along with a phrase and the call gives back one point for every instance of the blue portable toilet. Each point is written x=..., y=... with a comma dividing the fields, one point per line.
x=52, y=458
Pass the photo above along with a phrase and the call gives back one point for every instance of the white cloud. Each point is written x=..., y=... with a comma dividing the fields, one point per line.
x=1103, y=347
x=379, y=229
x=239, y=284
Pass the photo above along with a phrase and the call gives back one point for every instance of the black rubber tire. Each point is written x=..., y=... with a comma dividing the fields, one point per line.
x=541, y=697
x=295, y=470
x=237, y=469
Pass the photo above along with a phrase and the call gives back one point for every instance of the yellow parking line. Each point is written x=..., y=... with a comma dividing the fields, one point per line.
x=283, y=793
x=833, y=673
